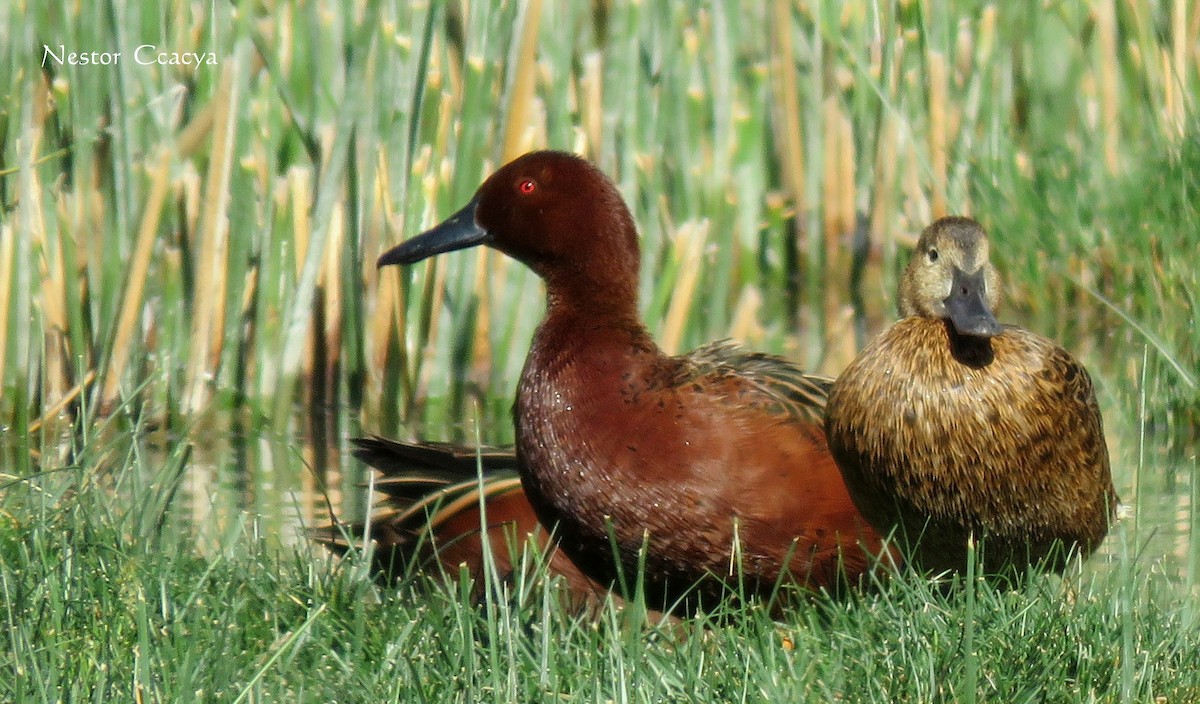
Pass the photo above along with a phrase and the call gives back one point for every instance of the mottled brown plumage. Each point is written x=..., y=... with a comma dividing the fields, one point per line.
x=951, y=425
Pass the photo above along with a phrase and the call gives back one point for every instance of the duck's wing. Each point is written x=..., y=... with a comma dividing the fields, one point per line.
x=781, y=386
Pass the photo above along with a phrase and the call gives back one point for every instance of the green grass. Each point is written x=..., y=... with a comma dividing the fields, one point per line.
x=191, y=322
x=101, y=603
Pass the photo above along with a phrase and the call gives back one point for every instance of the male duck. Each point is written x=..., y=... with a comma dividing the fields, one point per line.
x=706, y=468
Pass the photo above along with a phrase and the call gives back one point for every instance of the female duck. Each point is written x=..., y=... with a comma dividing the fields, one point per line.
x=684, y=469
x=951, y=425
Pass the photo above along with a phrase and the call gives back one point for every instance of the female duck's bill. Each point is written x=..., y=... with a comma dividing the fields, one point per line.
x=950, y=426
x=950, y=276
x=677, y=462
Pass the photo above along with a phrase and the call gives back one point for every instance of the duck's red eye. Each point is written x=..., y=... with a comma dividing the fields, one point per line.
x=527, y=186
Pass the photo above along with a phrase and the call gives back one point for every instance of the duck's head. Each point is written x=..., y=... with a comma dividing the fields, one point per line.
x=950, y=277
x=553, y=211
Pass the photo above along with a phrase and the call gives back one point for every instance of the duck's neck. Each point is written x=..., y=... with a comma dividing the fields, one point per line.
x=591, y=337
x=590, y=326
x=601, y=285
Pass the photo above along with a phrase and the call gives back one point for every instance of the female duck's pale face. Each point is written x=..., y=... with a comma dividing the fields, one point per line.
x=950, y=277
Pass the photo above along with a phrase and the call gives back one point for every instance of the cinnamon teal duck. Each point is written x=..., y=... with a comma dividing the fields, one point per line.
x=950, y=425
x=695, y=471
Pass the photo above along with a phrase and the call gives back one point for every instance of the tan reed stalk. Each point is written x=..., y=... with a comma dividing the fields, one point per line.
x=1106, y=31
x=192, y=136
x=883, y=217
x=842, y=344
x=446, y=111
x=746, y=326
x=914, y=196
x=884, y=187
x=837, y=195
x=52, y=297
x=53, y=410
x=1172, y=109
x=987, y=36
x=334, y=304
x=300, y=181
x=938, y=129
x=689, y=242
x=1086, y=319
x=1192, y=40
x=386, y=317
x=786, y=109
x=965, y=104
x=209, y=294
x=300, y=188
x=592, y=98
x=130, y=309
x=974, y=52
x=1175, y=74
x=385, y=310
x=521, y=90
x=964, y=55
x=489, y=267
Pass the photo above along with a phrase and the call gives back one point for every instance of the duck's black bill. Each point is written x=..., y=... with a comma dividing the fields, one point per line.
x=459, y=231
x=967, y=306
